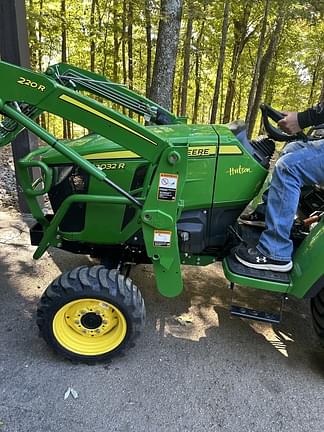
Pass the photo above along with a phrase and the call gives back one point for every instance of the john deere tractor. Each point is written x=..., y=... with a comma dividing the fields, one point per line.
x=156, y=190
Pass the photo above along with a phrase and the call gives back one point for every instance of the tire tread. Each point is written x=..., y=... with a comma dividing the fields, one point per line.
x=317, y=310
x=96, y=281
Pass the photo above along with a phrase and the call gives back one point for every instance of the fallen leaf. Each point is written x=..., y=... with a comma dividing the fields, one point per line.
x=74, y=393
x=67, y=393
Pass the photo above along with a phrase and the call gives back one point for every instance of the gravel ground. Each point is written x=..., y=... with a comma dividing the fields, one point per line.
x=8, y=190
x=193, y=368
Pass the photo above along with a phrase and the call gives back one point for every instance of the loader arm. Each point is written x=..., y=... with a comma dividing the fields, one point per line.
x=37, y=93
x=82, y=80
x=27, y=94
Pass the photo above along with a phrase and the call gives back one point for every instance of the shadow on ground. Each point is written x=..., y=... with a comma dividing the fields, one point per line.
x=194, y=368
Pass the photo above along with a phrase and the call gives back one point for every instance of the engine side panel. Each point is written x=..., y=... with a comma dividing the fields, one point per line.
x=214, y=153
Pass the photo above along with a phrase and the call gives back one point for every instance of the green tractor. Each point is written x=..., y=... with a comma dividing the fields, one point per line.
x=156, y=190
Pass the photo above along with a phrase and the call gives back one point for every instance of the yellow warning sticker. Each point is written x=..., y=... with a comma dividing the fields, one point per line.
x=162, y=238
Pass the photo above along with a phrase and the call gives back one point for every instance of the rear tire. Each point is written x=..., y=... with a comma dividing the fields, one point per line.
x=90, y=314
x=317, y=309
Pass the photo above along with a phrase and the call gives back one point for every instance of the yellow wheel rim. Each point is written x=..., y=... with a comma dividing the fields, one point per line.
x=89, y=327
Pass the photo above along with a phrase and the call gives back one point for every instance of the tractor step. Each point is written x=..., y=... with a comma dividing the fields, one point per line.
x=256, y=315
x=253, y=313
x=266, y=275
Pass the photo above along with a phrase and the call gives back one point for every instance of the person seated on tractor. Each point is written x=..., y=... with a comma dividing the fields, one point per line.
x=301, y=163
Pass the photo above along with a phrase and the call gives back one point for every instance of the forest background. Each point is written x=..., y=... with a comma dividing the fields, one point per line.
x=213, y=61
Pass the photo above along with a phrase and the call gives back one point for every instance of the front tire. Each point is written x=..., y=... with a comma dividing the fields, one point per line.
x=317, y=309
x=89, y=314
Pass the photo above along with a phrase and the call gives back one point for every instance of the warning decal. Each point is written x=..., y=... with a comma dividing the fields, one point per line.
x=168, y=187
x=162, y=238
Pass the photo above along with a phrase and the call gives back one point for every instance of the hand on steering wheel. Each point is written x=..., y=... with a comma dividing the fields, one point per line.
x=286, y=121
x=289, y=123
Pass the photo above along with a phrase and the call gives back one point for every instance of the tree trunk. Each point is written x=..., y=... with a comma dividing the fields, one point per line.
x=104, y=27
x=116, y=41
x=264, y=66
x=198, y=89
x=256, y=72
x=179, y=94
x=270, y=89
x=241, y=36
x=130, y=44
x=148, y=28
x=42, y=119
x=314, y=80
x=92, y=36
x=271, y=82
x=166, y=52
x=33, y=42
x=186, y=61
x=221, y=60
x=124, y=41
x=63, y=32
x=221, y=99
x=322, y=92
x=239, y=102
x=40, y=34
x=198, y=73
x=64, y=57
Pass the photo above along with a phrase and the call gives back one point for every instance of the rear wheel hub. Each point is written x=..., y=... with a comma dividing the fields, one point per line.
x=91, y=320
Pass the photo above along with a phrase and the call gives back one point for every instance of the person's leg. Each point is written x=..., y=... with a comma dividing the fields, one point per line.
x=257, y=217
x=289, y=148
x=293, y=170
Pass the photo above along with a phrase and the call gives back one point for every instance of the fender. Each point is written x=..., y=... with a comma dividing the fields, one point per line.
x=307, y=276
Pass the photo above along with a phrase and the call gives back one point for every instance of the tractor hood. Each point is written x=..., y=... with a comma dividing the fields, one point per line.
x=94, y=144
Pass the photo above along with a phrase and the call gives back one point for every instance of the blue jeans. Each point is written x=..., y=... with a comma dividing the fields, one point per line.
x=300, y=164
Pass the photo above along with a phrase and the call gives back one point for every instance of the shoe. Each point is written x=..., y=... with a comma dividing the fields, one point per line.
x=251, y=257
x=254, y=219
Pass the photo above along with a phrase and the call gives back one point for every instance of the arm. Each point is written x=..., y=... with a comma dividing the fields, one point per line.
x=296, y=121
x=312, y=116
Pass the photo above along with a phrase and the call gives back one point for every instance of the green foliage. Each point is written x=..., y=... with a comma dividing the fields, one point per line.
x=294, y=76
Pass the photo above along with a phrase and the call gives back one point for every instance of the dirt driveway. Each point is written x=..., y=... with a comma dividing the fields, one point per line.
x=193, y=369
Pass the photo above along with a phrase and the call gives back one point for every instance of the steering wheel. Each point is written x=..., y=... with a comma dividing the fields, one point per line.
x=274, y=132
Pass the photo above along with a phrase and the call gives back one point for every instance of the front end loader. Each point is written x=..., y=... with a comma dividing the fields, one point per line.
x=156, y=190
